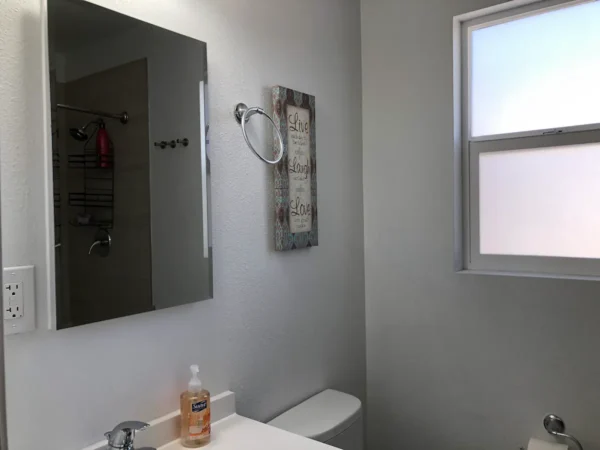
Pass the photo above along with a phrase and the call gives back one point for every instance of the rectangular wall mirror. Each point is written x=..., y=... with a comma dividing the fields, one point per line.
x=130, y=168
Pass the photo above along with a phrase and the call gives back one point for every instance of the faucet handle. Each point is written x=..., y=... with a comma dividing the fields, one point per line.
x=123, y=435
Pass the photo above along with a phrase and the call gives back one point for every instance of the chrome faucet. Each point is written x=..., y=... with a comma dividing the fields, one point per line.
x=103, y=240
x=123, y=435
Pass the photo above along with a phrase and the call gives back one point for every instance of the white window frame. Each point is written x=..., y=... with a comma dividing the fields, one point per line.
x=467, y=257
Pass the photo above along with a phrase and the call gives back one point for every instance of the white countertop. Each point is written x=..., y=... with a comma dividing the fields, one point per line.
x=236, y=432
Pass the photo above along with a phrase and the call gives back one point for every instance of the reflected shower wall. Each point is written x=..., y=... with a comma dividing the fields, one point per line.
x=94, y=287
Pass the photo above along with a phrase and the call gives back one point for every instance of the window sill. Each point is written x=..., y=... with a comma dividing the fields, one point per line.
x=528, y=275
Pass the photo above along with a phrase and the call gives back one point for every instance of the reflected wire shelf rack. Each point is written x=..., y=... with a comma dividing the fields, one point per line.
x=96, y=200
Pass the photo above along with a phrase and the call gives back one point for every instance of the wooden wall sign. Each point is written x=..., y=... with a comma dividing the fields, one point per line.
x=296, y=224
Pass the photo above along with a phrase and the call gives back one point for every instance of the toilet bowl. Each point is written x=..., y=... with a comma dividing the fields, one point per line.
x=331, y=417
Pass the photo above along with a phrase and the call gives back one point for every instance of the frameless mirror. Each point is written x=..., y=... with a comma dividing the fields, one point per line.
x=130, y=171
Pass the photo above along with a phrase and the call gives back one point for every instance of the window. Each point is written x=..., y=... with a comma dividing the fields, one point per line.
x=527, y=103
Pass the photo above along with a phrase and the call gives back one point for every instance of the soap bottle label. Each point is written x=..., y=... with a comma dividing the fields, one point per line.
x=199, y=420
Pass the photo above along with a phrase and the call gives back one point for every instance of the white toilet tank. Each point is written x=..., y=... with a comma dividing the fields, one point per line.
x=331, y=417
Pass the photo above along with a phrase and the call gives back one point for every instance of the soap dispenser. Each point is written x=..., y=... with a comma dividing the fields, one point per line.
x=195, y=413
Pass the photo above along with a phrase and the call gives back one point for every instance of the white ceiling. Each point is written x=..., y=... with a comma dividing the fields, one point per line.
x=76, y=22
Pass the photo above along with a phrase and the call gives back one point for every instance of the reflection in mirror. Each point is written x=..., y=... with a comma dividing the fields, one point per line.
x=131, y=177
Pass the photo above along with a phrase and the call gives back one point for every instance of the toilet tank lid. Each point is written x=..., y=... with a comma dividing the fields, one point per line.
x=321, y=417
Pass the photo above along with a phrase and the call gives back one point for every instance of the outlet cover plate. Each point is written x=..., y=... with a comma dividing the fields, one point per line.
x=19, y=297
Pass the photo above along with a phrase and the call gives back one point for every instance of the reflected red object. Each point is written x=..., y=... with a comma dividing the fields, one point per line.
x=103, y=147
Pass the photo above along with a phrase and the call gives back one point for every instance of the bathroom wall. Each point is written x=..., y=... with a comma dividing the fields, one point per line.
x=454, y=361
x=281, y=326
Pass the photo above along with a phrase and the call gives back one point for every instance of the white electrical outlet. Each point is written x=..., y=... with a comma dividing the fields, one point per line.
x=19, y=300
x=13, y=301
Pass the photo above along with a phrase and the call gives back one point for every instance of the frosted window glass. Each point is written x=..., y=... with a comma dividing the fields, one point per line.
x=542, y=202
x=538, y=72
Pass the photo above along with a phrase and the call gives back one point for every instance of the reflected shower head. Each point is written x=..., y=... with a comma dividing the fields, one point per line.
x=78, y=134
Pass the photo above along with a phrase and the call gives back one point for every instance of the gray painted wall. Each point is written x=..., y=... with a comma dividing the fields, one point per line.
x=281, y=326
x=454, y=361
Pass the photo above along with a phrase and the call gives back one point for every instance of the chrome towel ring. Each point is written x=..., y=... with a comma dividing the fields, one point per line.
x=242, y=115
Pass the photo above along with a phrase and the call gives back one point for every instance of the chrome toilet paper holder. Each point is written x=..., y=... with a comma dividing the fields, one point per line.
x=555, y=426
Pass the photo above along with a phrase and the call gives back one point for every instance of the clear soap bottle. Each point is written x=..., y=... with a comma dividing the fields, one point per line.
x=195, y=413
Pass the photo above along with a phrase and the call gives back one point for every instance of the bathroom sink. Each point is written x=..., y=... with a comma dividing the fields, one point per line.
x=236, y=432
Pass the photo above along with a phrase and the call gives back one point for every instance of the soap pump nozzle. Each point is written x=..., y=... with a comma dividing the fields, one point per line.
x=195, y=385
